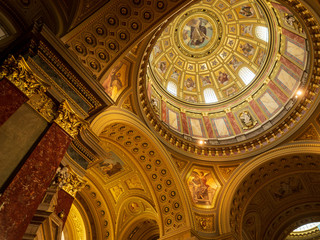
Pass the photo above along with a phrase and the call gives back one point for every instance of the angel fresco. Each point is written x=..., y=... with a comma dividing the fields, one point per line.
x=247, y=49
x=189, y=84
x=246, y=11
x=223, y=78
x=196, y=32
x=205, y=80
x=202, y=187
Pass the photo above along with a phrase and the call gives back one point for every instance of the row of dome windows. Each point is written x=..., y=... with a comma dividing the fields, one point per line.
x=209, y=95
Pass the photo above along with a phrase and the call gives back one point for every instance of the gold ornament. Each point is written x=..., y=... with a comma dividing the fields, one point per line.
x=68, y=180
x=19, y=73
x=68, y=120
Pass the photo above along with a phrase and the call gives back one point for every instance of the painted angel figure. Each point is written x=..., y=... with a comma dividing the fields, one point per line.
x=202, y=192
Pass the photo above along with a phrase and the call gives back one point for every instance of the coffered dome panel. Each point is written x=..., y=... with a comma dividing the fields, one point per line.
x=226, y=73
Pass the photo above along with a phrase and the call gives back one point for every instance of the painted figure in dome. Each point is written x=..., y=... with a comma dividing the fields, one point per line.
x=205, y=80
x=246, y=11
x=247, y=49
x=223, y=78
x=189, y=84
x=195, y=32
x=200, y=189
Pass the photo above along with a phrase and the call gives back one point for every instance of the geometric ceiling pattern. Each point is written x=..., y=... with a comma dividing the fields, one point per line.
x=223, y=70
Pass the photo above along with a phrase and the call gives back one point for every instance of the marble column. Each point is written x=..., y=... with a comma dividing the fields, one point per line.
x=21, y=198
x=69, y=183
x=11, y=98
x=64, y=203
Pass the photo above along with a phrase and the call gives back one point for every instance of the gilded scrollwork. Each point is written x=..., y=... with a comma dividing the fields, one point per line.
x=19, y=73
x=67, y=180
x=68, y=120
x=44, y=105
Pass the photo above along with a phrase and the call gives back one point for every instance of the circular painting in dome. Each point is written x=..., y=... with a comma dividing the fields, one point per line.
x=197, y=32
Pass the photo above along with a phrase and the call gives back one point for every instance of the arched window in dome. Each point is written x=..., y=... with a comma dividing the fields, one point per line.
x=3, y=33
x=246, y=75
x=210, y=96
x=172, y=88
x=262, y=33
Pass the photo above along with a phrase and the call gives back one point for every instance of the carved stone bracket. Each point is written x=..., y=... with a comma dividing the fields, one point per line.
x=68, y=120
x=68, y=180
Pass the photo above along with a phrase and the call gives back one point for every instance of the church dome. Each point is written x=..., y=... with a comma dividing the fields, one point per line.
x=226, y=72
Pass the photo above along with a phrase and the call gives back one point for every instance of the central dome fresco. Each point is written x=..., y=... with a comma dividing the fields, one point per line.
x=211, y=52
x=226, y=71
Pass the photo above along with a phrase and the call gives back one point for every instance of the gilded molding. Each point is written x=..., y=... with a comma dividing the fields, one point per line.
x=68, y=180
x=19, y=73
x=68, y=120
x=43, y=105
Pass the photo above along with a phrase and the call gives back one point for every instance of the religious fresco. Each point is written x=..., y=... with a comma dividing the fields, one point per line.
x=235, y=63
x=116, y=81
x=246, y=11
x=247, y=49
x=246, y=30
x=203, y=187
x=189, y=83
x=260, y=57
x=175, y=74
x=190, y=54
x=197, y=32
x=222, y=76
x=191, y=98
x=286, y=187
x=111, y=165
x=206, y=80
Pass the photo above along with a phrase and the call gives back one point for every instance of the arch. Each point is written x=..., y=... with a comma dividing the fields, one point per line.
x=262, y=33
x=209, y=95
x=246, y=75
x=135, y=210
x=172, y=189
x=242, y=175
x=172, y=88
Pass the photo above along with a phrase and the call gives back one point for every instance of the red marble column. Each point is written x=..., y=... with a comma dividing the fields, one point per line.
x=257, y=110
x=283, y=97
x=208, y=126
x=11, y=98
x=64, y=203
x=234, y=123
x=164, y=111
x=22, y=197
x=184, y=122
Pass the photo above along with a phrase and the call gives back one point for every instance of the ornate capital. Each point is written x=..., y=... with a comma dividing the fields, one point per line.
x=68, y=180
x=68, y=120
x=19, y=73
